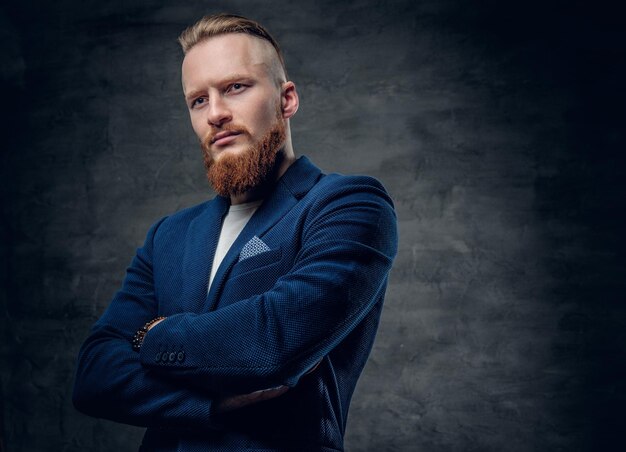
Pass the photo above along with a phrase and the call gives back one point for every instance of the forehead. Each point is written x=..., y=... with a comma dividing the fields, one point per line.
x=224, y=55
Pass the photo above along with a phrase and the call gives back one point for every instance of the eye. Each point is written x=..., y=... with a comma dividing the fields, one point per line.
x=235, y=87
x=197, y=102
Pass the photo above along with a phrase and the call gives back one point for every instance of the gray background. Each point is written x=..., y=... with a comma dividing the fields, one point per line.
x=496, y=126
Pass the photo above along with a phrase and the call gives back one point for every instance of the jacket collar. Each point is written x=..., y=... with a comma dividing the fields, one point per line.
x=300, y=177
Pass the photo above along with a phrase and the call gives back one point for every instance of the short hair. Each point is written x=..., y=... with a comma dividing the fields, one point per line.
x=221, y=24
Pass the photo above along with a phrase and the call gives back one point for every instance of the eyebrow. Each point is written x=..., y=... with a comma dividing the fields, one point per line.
x=193, y=94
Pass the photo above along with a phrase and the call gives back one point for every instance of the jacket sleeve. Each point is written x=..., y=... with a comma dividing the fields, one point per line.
x=348, y=244
x=110, y=381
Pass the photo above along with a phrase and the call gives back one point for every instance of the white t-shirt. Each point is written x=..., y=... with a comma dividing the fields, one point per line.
x=236, y=219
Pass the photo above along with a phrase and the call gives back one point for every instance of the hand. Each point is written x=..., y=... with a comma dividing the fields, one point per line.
x=239, y=401
x=242, y=400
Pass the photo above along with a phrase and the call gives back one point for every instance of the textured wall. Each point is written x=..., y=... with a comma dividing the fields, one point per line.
x=496, y=126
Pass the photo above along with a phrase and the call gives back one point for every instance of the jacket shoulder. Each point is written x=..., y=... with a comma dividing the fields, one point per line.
x=178, y=222
x=336, y=185
x=189, y=213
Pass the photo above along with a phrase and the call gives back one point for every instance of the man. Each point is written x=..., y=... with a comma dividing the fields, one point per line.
x=244, y=322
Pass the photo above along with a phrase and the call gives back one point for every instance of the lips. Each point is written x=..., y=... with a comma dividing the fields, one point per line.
x=224, y=137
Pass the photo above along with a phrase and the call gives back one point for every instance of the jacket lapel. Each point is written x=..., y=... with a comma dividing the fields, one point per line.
x=200, y=246
x=295, y=183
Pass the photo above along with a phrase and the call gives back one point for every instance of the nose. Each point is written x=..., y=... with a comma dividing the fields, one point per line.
x=218, y=112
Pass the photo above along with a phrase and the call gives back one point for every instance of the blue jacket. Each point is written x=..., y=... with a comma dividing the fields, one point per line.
x=303, y=282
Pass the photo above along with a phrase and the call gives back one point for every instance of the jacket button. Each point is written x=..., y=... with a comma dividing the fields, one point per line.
x=158, y=357
x=172, y=357
x=180, y=357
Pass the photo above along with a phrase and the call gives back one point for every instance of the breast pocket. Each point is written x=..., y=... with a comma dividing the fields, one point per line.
x=253, y=276
x=256, y=262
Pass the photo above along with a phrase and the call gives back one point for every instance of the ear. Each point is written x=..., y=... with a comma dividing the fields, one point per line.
x=289, y=100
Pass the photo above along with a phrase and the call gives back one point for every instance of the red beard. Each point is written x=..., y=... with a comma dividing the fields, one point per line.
x=233, y=175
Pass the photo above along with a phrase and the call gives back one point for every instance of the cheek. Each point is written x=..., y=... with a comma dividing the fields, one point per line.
x=198, y=126
x=261, y=109
x=266, y=116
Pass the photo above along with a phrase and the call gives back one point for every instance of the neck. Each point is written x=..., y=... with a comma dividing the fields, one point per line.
x=261, y=191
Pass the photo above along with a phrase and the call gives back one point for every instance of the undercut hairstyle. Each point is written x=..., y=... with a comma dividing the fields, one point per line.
x=221, y=24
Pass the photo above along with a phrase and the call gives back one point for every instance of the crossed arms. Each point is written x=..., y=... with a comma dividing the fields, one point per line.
x=269, y=340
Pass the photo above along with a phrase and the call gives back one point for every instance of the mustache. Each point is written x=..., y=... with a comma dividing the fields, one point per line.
x=210, y=136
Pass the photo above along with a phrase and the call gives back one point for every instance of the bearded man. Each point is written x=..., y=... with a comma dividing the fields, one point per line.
x=243, y=323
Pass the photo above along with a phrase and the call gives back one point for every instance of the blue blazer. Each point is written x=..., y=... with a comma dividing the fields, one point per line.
x=304, y=282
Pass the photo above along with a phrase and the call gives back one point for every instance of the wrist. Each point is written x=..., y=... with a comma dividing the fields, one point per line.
x=141, y=333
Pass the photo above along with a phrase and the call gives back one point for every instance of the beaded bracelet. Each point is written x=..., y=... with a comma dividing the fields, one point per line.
x=141, y=333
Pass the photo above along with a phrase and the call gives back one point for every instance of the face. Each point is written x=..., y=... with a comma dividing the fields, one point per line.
x=235, y=102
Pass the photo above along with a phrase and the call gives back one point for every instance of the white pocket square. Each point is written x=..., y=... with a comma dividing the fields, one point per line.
x=254, y=246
